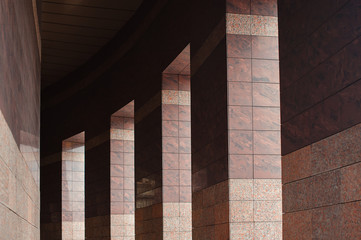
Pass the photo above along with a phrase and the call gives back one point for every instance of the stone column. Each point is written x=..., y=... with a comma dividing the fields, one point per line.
x=176, y=157
x=164, y=183
x=122, y=174
x=236, y=167
x=73, y=226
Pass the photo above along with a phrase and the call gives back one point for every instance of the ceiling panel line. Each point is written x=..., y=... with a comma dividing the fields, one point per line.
x=58, y=63
x=74, y=15
x=71, y=25
x=77, y=43
x=89, y=6
x=77, y=35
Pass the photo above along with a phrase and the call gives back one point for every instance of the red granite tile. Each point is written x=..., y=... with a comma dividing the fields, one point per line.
x=128, y=158
x=128, y=195
x=297, y=225
x=170, y=177
x=326, y=189
x=240, y=166
x=239, y=6
x=116, y=207
x=184, y=82
x=170, y=194
x=129, y=123
x=129, y=146
x=184, y=113
x=240, y=118
x=239, y=94
x=170, y=145
x=239, y=69
x=170, y=161
x=117, y=195
x=267, y=166
x=240, y=142
x=117, y=170
x=117, y=146
x=67, y=216
x=184, y=129
x=185, y=161
x=128, y=208
x=185, y=194
x=129, y=183
x=327, y=222
x=169, y=112
x=67, y=206
x=117, y=122
x=297, y=195
x=334, y=152
x=169, y=128
x=117, y=183
x=265, y=47
x=78, y=206
x=78, y=216
x=350, y=183
x=296, y=165
x=266, y=95
x=170, y=82
x=129, y=171
x=208, y=196
x=267, y=142
x=264, y=7
x=266, y=118
x=239, y=46
x=185, y=145
x=185, y=177
x=265, y=71
x=351, y=215
x=217, y=171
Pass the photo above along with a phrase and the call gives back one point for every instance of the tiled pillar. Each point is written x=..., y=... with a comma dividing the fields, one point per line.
x=148, y=169
x=97, y=181
x=122, y=174
x=176, y=157
x=163, y=157
x=236, y=127
x=73, y=188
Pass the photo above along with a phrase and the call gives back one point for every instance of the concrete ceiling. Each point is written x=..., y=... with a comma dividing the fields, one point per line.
x=74, y=30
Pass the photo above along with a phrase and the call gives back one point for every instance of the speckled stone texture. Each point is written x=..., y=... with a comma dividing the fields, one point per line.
x=321, y=188
x=19, y=122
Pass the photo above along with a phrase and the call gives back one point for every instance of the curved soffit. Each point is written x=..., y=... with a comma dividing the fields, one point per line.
x=74, y=30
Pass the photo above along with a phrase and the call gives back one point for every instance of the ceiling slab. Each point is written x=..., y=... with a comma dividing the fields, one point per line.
x=74, y=30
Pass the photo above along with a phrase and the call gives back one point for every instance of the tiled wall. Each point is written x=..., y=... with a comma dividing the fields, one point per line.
x=19, y=122
x=122, y=174
x=73, y=164
x=320, y=98
x=236, y=155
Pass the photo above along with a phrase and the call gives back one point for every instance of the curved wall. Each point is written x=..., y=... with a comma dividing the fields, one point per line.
x=19, y=122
